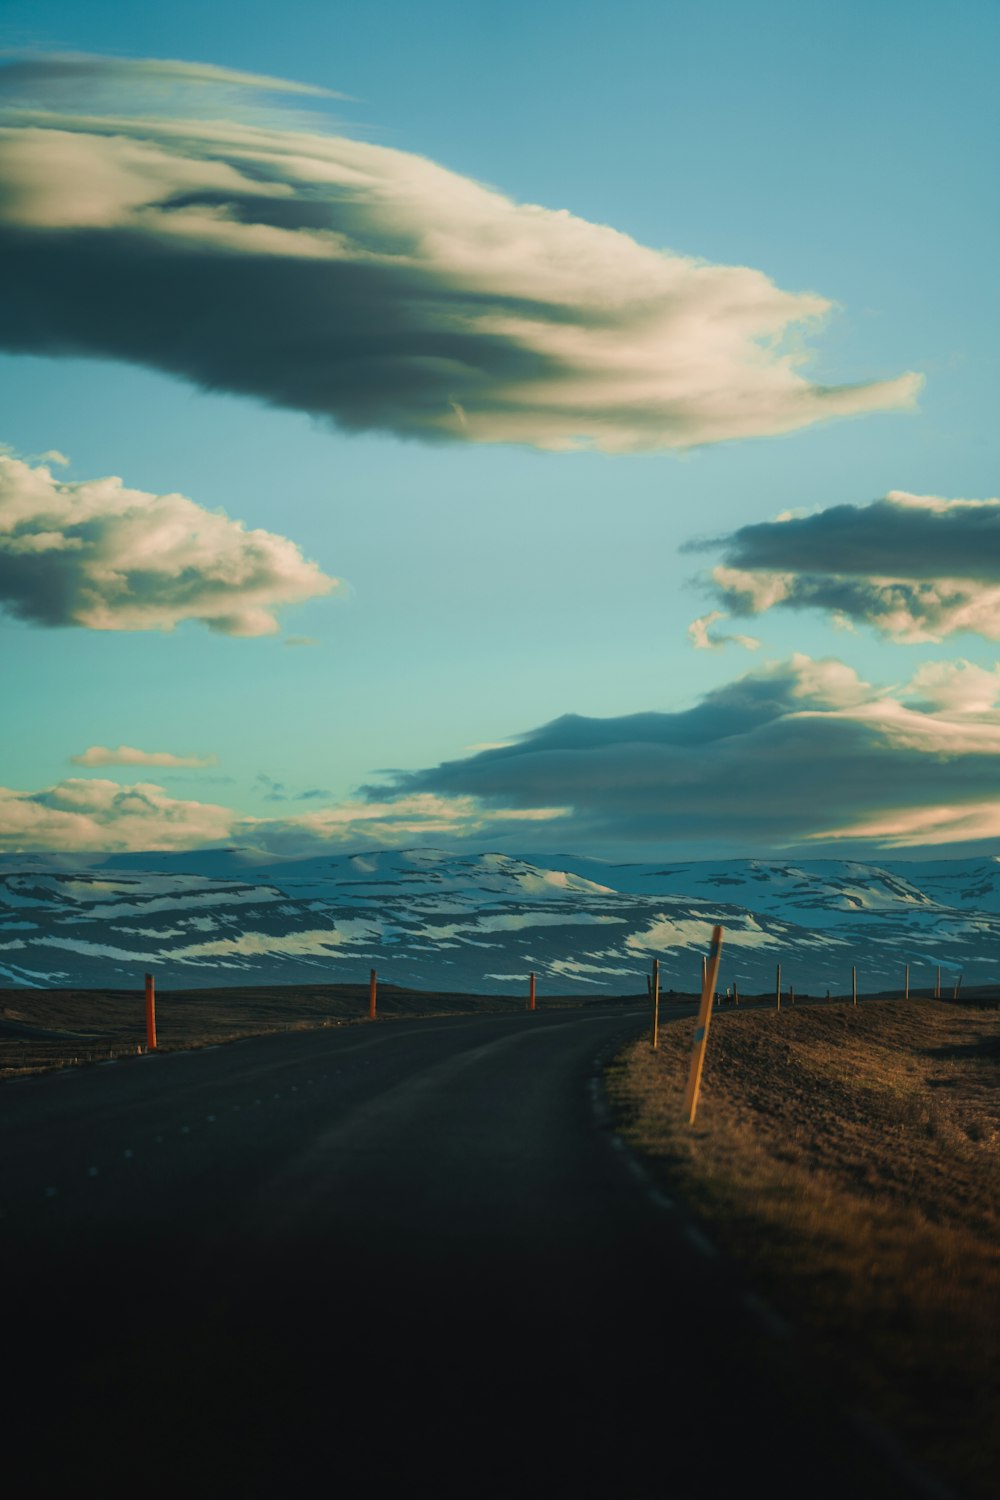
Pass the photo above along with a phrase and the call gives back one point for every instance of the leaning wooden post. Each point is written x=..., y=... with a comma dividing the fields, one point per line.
x=906, y=984
x=372, y=988
x=531, y=990
x=701, y=1030
x=150, y=1014
x=654, y=993
x=854, y=983
x=777, y=987
x=958, y=987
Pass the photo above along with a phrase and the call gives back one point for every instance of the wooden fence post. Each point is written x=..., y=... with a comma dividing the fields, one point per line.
x=958, y=987
x=531, y=990
x=701, y=1029
x=906, y=984
x=372, y=989
x=150, y=1014
x=854, y=983
x=777, y=987
x=937, y=984
x=654, y=991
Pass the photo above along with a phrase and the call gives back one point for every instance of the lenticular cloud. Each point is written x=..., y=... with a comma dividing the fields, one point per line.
x=914, y=567
x=373, y=287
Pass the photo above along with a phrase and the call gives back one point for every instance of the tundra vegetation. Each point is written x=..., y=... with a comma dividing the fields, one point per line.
x=846, y=1159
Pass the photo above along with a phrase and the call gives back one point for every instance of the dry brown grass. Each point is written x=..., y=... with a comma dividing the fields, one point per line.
x=847, y=1157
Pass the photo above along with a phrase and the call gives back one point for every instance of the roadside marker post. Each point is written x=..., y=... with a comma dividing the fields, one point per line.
x=777, y=987
x=701, y=1029
x=906, y=984
x=937, y=984
x=150, y=1014
x=654, y=993
x=958, y=987
x=854, y=983
x=372, y=993
x=531, y=990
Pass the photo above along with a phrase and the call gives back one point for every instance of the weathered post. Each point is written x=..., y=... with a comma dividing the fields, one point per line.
x=150, y=1014
x=906, y=984
x=372, y=989
x=654, y=990
x=531, y=990
x=958, y=987
x=854, y=983
x=777, y=987
x=937, y=984
x=701, y=1029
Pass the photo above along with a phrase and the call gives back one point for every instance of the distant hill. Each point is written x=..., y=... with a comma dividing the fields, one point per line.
x=431, y=918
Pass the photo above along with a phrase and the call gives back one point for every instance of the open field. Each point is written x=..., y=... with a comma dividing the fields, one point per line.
x=42, y=1029
x=847, y=1158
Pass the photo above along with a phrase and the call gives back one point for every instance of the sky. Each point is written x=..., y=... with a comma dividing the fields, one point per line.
x=501, y=427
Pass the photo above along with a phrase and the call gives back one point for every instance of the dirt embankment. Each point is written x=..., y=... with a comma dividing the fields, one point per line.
x=848, y=1158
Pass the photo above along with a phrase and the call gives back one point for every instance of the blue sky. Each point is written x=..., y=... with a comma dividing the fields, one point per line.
x=491, y=587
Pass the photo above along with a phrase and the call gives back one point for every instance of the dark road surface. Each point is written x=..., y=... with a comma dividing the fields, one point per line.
x=389, y=1258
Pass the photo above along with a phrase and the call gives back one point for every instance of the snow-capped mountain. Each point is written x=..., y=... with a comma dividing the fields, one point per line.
x=434, y=919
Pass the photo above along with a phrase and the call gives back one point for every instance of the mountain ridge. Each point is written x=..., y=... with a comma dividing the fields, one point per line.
x=435, y=918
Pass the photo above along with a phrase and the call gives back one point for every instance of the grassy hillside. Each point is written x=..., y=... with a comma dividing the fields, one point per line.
x=847, y=1158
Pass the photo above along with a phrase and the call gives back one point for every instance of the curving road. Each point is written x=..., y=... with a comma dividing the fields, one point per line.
x=410, y=1255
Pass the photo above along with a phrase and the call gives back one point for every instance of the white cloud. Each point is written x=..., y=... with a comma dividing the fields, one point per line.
x=910, y=827
x=958, y=687
x=96, y=554
x=126, y=755
x=796, y=752
x=916, y=568
x=377, y=288
x=704, y=638
x=83, y=813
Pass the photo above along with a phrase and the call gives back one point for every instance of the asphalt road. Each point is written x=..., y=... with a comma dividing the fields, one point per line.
x=381, y=1258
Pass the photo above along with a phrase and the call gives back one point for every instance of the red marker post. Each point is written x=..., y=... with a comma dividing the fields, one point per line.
x=531, y=991
x=150, y=1014
x=372, y=989
x=701, y=1030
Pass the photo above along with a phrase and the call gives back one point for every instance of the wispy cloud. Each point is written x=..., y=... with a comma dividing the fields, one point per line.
x=127, y=755
x=24, y=73
x=913, y=567
x=374, y=287
x=800, y=754
x=83, y=813
x=797, y=752
x=705, y=637
x=99, y=555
